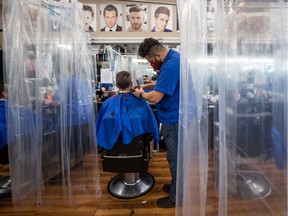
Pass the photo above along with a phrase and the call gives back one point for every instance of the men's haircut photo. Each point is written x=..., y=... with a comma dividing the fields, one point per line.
x=89, y=17
x=110, y=17
x=161, y=18
x=136, y=18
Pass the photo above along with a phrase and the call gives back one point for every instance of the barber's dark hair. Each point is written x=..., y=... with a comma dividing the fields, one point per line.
x=88, y=8
x=110, y=8
x=123, y=79
x=148, y=45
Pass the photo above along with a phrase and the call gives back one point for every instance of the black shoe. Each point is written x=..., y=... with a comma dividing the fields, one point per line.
x=166, y=202
x=166, y=188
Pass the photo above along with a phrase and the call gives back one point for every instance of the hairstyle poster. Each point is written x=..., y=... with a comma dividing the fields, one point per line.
x=136, y=18
x=111, y=17
x=89, y=17
x=161, y=18
x=55, y=17
x=59, y=17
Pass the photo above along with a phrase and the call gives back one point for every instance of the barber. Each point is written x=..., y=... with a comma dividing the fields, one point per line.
x=165, y=94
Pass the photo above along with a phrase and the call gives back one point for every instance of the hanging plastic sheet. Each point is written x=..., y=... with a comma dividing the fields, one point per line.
x=251, y=136
x=129, y=63
x=193, y=132
x=50, y=107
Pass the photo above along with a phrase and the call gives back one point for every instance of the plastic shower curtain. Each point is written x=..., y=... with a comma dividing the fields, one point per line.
x=51, y=116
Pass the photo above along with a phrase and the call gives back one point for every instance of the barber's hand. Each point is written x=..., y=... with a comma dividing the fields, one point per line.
x=137, y=92
x=137, y=87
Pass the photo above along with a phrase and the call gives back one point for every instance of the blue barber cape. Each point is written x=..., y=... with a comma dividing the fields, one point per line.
x=124, y=114
x=76, y=94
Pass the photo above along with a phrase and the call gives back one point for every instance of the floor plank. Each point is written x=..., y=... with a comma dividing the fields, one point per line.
x=273, y=205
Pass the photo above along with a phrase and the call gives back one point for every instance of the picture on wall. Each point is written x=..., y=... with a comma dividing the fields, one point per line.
x=55, y=17
x=33, y=14
x=59, y=16
x=161, y=18
x=136, y=18
x=111, y=17
x=89, y=20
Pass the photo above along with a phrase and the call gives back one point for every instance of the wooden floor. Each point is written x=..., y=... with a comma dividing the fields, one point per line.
x=274, y=205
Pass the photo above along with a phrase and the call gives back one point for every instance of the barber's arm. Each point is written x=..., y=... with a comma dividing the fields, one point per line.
x=149, y=86
x=153, y=96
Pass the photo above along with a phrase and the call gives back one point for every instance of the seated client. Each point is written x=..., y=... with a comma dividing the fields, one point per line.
x=124, y=113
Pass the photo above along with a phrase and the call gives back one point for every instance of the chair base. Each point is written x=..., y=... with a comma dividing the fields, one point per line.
x=253, y=186
x=119, y=187
x=5, y=187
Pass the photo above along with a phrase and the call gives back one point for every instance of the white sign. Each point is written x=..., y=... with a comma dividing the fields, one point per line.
x=106, y=76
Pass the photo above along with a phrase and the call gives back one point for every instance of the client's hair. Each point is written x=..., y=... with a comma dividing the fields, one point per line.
x=123, y=79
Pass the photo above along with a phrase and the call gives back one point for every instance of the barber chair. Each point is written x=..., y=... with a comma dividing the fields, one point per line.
x=253, y=146
x=5, y=181
x=248, y=148
x=131, y=161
